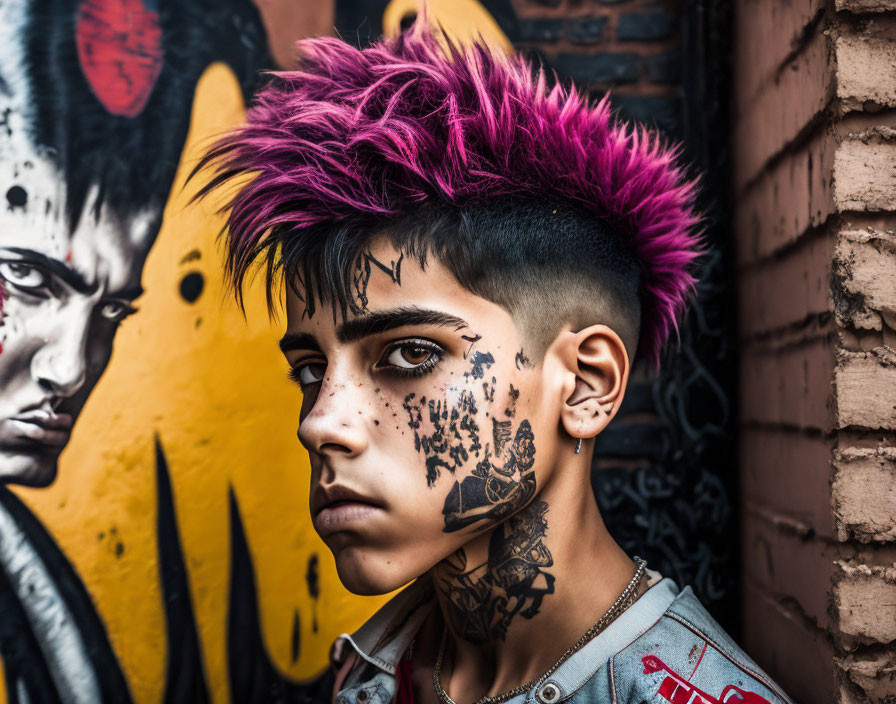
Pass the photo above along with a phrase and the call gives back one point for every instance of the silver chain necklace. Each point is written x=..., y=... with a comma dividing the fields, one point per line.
x=628, y=597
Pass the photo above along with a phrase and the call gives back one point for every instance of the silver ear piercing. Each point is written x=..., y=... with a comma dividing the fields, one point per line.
x=579, y=446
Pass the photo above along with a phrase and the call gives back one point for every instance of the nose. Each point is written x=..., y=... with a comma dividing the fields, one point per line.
x=334, y=425
x=60, y=364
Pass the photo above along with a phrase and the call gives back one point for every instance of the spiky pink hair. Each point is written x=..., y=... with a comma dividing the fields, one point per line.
x=371, y=135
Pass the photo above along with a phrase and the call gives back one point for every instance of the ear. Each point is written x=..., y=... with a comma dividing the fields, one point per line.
x=597, y=370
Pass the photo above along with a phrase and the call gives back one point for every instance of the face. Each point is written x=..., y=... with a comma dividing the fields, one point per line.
x=65, y=295
x=422, y=416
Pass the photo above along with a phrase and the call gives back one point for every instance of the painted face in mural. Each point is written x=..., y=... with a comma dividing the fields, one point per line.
x=423, y=418
x=66, y=293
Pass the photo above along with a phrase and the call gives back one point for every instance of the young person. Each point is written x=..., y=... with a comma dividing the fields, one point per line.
x=472, y=261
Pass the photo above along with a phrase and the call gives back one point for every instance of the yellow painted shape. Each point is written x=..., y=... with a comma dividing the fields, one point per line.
x=462, y=20
x=213, y=386
x=3, y=699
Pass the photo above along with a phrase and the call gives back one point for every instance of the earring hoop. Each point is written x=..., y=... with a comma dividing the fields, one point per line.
x=579, y=446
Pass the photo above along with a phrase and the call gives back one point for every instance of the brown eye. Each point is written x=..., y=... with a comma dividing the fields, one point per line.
x=307, y=374
x=415, y=355
x=409, y=356
x=412, y=357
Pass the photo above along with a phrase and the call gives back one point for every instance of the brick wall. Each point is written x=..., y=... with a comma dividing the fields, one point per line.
x=814, y=141
x=631, y=46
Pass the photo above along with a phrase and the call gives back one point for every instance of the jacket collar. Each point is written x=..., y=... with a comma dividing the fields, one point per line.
x=383, y=639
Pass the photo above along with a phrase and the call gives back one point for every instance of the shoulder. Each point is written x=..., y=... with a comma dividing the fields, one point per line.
x=687, y=657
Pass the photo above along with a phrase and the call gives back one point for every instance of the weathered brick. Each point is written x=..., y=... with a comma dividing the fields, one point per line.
x=863, y=493
x=865, y=171
x=797, y=655
x=608, y=67
x=645, y=26
x=864, y=289
x=586, y=30
x=782, y=28
x=865, y=601
x=653, y=110
x=862, y=6
x=874, y=675
x=782, y=109
x=541, y=29
x=787, y=290
x=788, y=473
x=786, y=200
x=865, y=389
x=786, y=563
x=788, y=386
x=866, y=66
x=665, y=68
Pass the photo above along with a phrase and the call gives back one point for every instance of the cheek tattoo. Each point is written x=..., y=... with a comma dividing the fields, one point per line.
x=454, y=436
x=478, y=361
x=484, y=599
x=493, y=491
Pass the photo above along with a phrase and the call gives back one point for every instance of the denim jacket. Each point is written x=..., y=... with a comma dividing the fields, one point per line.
x=664, y=648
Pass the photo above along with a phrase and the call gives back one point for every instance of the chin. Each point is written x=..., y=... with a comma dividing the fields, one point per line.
x=35, y=470
x=365, y=574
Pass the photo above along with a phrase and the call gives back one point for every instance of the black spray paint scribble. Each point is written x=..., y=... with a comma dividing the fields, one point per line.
x=361, y=276
x=454, y=435
x=510, y=411
x=483, y=600
x=488, y=390
x=472, y=339
x=522, y=361
x=478, y=361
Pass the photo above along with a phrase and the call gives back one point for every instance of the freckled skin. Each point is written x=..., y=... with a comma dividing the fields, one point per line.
x=439, y=474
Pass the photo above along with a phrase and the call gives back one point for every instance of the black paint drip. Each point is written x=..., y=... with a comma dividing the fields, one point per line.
x=191, y=286
x=17, y=197
x=296, y=637
x=312, y=579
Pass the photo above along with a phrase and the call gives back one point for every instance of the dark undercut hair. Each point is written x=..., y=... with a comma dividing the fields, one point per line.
x=529, y=195
x=548, y=265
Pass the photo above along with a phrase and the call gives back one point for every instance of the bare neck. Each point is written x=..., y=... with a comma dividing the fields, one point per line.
x=516, y=597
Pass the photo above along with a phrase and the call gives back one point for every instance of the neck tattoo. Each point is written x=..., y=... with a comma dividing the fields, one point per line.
x=628, y=597
x=481, y=600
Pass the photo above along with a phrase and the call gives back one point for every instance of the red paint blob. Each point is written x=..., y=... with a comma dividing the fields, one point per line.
x=120, y=51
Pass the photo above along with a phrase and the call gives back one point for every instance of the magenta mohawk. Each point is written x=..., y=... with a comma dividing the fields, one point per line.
x=371, y=135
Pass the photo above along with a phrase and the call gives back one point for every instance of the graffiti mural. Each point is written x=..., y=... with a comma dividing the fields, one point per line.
x=125, y=567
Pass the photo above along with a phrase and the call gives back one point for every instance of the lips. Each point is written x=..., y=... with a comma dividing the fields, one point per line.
x=335, y=507
x=42, y=426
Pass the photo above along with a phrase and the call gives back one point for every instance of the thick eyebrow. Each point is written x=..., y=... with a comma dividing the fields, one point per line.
x=60, y=269
x=71, y=277
x=374, y=324
x=384, y=320
x=298, y=341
